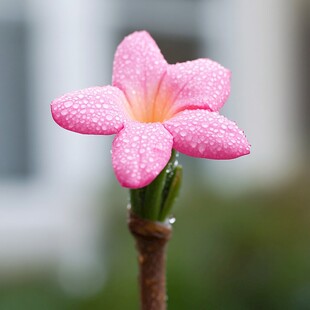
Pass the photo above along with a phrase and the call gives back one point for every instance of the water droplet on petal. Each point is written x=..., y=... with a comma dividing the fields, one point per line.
x=201, y=148
x=68, y=104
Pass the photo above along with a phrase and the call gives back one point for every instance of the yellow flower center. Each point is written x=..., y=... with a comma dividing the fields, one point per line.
x=157, y=111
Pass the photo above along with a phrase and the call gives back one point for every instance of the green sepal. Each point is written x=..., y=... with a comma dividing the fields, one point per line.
x=137, y=200
x=172, y=193
x=153, y=197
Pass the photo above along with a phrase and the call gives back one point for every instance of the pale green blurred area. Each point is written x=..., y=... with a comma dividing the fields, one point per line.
x=242, y=230
x=250, y=252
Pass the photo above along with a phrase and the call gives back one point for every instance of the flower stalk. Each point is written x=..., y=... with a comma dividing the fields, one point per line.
x=149, y=224
x=151, y=240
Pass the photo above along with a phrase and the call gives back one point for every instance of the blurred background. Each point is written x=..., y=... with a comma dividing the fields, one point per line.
x=241, y=238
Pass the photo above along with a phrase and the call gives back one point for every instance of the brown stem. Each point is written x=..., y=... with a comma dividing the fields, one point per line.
x=151, y=239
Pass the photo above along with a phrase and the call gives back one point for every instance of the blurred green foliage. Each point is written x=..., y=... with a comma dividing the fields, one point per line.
x=245, y=252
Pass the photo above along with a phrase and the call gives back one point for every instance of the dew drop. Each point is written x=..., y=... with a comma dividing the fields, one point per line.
x=224, y=126
x=201, y=148
x=193, y=144
x=68, y=104
x=171, y=220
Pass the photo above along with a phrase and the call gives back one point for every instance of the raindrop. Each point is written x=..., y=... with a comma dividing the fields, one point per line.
x=68, y=104
x=193, y=144
x=172, y=220
x=201, y=148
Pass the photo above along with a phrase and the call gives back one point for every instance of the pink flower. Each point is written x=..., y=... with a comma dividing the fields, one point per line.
x=153, y=107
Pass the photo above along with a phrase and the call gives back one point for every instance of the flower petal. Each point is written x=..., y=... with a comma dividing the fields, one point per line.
x=137, y=70
x=140, y=152
x=201, y=133
x=95, y=110
x=200, y=84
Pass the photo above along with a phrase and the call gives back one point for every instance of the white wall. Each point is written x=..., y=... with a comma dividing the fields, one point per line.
x=257, y=40
x=50, y=217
